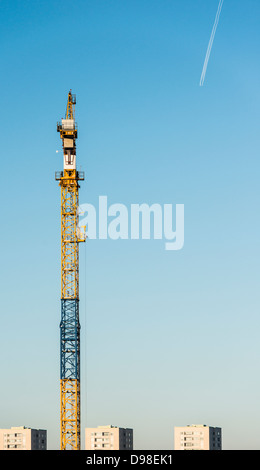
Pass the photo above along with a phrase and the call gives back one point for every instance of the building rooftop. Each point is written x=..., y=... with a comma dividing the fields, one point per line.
x=107, y=426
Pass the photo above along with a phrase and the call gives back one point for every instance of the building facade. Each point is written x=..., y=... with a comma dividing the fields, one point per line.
x=197, y=437
x=22, y=438
x=108, y=438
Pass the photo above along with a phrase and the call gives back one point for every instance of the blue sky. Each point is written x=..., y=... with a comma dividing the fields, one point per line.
x=168, y=338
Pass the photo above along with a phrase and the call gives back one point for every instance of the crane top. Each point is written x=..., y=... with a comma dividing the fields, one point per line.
x=70, y=112
x=68, y=133
x=68, y=128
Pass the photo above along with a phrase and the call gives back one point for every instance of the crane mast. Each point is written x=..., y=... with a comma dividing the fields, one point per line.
x=71, y=236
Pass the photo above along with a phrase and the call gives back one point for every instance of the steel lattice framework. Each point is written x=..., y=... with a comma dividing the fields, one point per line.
x=71, y=236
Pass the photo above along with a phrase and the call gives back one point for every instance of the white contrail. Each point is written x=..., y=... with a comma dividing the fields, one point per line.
x=204, y=70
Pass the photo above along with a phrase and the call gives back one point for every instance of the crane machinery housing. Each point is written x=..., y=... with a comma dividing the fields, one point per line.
x=71, y=236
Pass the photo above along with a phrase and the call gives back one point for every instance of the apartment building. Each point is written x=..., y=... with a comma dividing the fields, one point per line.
x=197, y=437
x=108, y=438
x=22, y=438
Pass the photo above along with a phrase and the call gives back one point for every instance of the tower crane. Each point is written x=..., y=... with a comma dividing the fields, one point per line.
x=71, y=236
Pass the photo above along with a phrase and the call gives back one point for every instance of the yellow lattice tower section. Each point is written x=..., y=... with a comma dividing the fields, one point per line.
x=71, y=236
